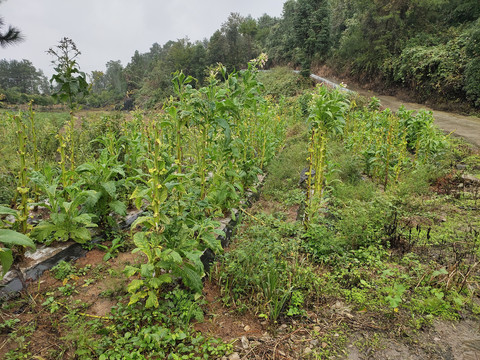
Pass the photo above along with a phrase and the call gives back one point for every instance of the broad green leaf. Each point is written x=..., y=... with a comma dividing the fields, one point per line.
x=152, y=300
x=442, y=271
x=142, y=219
x=67, y=205
x=190, y=277
x=10, y=237
x=146, y=270
x=175, y=257
x=42, y=231
x=195, y=257
x=85, y=219
x=86, y=167
x=135, y=297
x=110, y=188
x=163, y=195
x=118, y=207
x=130, y=270
x=212, y=242
x=81, y=235
x=156, y=282
x=7, y=211
x=134, y=285
x=6, y=260
x=141, y=242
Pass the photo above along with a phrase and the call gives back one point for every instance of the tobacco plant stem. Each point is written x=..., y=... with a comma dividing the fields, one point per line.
x=31, y=114
x=23, y=182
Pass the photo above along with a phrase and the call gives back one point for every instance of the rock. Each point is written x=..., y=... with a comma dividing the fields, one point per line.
x=247, y=328
x=304, y=177
x=471, y=179
x=245, y=342
x=314, y=343
x=460, y=166
x=282, y=329
x=234, y=356
x=307, y=351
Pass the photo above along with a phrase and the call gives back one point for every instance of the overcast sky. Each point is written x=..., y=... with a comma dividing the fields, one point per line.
x=105, y=30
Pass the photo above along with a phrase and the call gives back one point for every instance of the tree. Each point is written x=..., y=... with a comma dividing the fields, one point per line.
x=98, y=81
x=11, y=36
x=232, y=34
x=248, y=29
x=265, y=26
x=115, y=78
x=312, y=31
x=217, y=48
x=72, y=83
x=136, y=71
x=21, y=76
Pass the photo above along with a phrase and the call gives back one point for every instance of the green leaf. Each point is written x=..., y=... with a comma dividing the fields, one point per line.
x=81, y=235
x=7, y=211
x=118, y=207
x=85, y=219
x=136, y=297
x=212, y=242
x=10, y=237
x=146, y=270
x=6, y=260
x=140, y=194
x=86, y=167
x=67, y=205
x=141, y=242
x=175, y=257
x=190, y=277
x=142, y=219
x=163, y=195
x=134, y=285
x=152, y=300
x=442, y=271
x=159, y=281
x=42, y=231
x=110, y=188
x=130, y=270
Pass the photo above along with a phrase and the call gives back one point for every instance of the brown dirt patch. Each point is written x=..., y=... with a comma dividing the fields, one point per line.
x=224, y=322
x=95, y=294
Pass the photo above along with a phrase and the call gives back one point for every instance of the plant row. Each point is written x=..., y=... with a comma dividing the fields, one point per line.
x=182, y=168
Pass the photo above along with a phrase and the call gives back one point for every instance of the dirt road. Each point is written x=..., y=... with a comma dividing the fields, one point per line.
x=468, y=127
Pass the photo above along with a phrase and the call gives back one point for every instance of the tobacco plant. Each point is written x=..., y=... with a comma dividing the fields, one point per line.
x=67, y=219
x=327, y=119
x=10, y=239
x=164, y=263
x=106, y=178
x=22, y=187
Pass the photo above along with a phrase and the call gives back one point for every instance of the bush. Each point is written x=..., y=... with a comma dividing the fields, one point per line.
x=282, y=81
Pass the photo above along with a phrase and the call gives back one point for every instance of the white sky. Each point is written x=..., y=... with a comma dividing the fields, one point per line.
x=105, y=30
